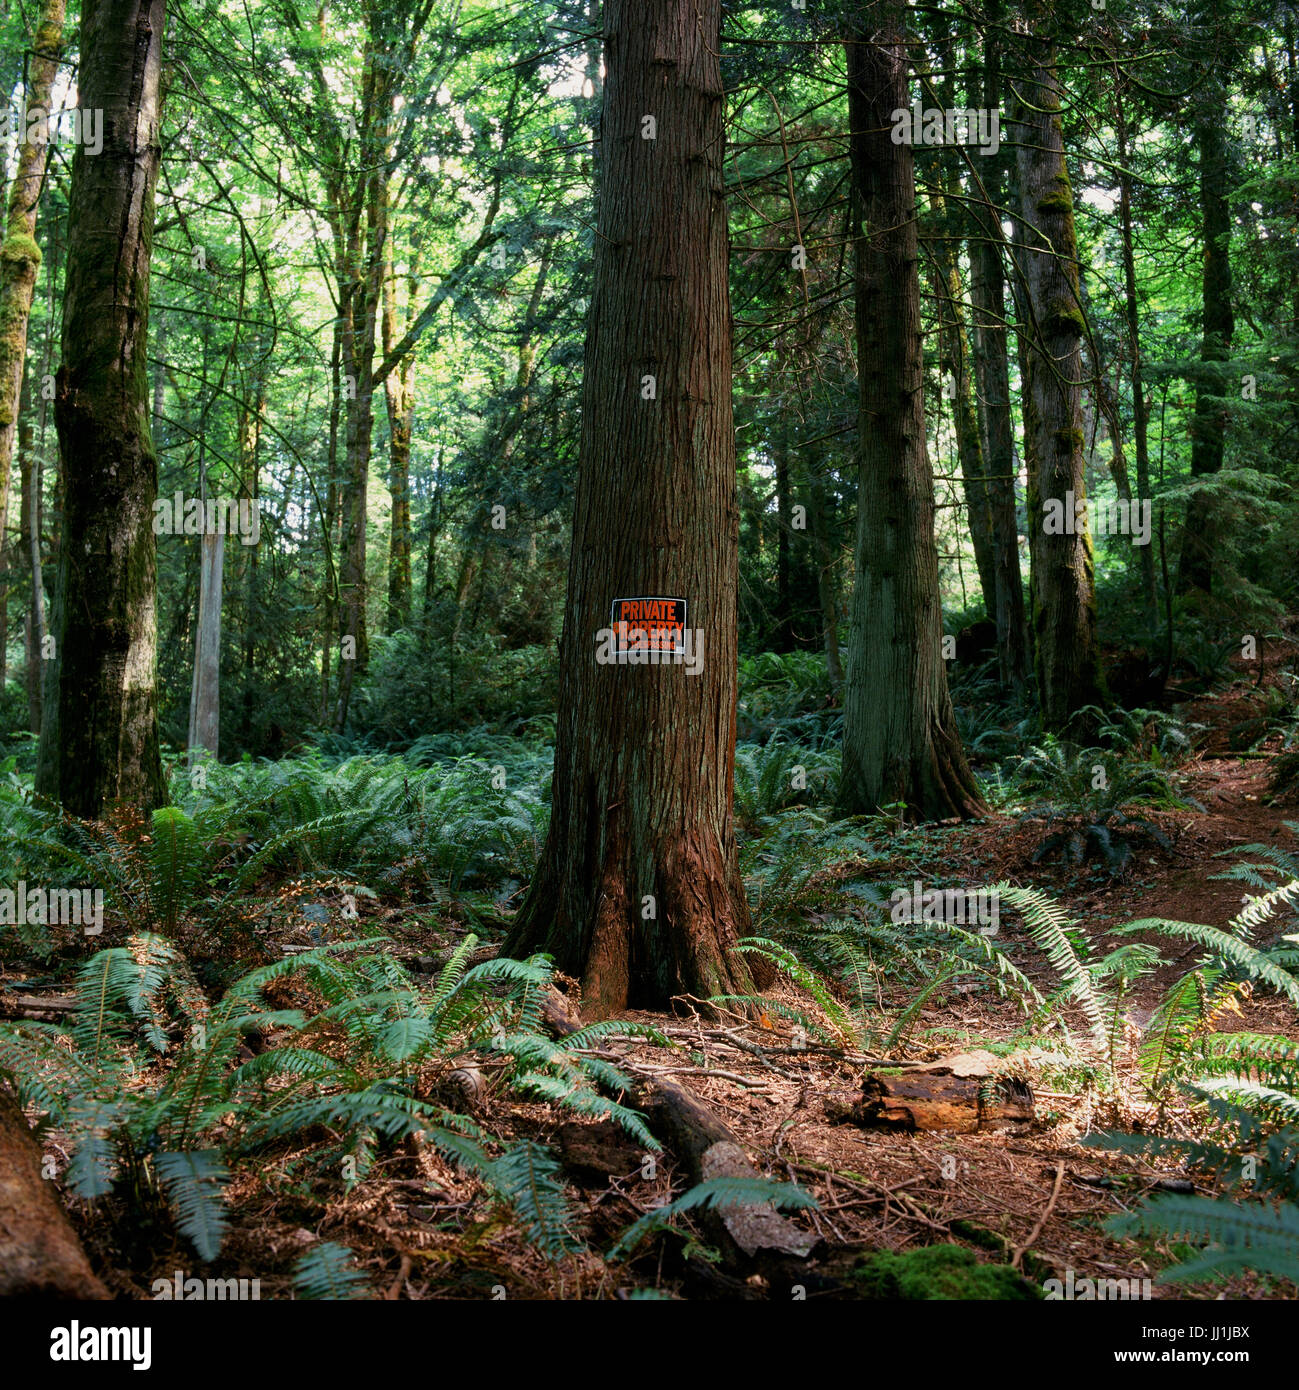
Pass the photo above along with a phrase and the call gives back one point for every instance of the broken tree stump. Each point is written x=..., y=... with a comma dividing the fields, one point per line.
x=40, y=1255
x=958, y=1095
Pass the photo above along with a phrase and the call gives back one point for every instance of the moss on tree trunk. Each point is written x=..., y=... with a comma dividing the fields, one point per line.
x=99, y=742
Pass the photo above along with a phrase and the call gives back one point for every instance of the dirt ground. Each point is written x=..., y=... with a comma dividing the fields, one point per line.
x=1033, y=1195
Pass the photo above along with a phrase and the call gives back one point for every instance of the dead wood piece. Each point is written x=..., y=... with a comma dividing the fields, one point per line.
x=557, y=1014
x=36, y=1005
x=598, y=1151
x=40, y=1255
x=708, y=1149
x=936, y=1099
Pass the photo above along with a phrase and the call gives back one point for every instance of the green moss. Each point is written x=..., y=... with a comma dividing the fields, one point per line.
x=939, y=1272
x=1060, y=198
x=18, y=247
x=1064, y=317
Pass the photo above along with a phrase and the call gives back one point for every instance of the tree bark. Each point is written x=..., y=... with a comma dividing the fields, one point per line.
x=1209, y=426
x=992, y=375
x=399, y=393
x=900, y=742
x=954, y=362
x=20, y=259
x=100, y=739
x=205, y=692
x=1064, y=599
x=1140, y=407
x=29, y=469
x=821, y=525
x=638, y=892
x=40, y=1255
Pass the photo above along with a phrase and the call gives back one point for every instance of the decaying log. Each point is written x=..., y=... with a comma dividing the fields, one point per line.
x=40, y=1254
x=707, y=1149
x=557, y=1014
x=38, y=1006
x=959, y=1095
x=598, y=1151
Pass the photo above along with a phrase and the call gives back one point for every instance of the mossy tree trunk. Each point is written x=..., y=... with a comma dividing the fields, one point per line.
x=1209, y=424
x=99, y=742
x=1064, y=597
x=900, y=742
x=20, y=258
x=360, y=278
x=638, y=892
x=822, y=528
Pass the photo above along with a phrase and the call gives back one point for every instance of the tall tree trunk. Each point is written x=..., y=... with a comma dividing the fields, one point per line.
x=20, y=258
x=822, y=528
x=363, y=276
x=783, y=633
x=434, y=531
x=329, y=521
x=205, y=691
x=1064, y=599
x=399, y=393
x=30, y=474
x=99, y=742
x=250, y=444
x=988, y=299
x=1209, y=426
x=1140, y=407
x=638, y=891
x=954, y=361
x=900, y=742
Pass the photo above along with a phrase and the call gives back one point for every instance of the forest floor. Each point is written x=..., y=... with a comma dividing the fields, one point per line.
x=1032, y=1195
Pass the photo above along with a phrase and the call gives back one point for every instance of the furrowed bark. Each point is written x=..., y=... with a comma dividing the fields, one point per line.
x=638, y=892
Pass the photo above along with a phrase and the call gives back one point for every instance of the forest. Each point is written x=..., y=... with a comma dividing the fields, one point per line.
x=649, y=651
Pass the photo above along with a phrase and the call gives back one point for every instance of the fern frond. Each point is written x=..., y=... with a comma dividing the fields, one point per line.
x=326, y=1272
x=192, y=1183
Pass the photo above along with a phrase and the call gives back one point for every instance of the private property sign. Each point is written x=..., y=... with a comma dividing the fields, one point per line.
x=645, y=625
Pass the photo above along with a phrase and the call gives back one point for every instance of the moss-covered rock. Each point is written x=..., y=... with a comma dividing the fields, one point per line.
x=939, y=1272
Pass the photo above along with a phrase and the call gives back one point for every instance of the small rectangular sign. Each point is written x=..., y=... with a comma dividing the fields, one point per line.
x=649, y=625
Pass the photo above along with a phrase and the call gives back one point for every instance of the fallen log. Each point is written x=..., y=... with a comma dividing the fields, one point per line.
x=38, y=1006
x=959, y=1095
x=40, y=1255
x=708, y=1149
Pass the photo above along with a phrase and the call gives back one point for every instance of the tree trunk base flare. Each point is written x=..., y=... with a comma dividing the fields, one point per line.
x=946, y=1096
x=707, y=1150
x=936, y=785
x=40, y=1255
x=630, y=960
